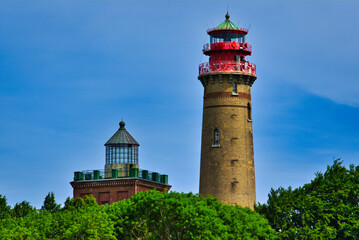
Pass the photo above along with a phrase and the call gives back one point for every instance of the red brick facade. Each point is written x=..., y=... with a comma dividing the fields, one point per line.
x=109, y=191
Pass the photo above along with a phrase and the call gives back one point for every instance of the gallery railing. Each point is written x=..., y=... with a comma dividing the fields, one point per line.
x=227, y=46
x=241, y=67
x=93, y=175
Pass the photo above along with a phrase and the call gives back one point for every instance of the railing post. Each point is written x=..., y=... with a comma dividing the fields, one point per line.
x=164, y=179
x=155, y=177
x=78, y=176
x=96, y=174
x=145, y=174
x=134, y=172
x=114, y=173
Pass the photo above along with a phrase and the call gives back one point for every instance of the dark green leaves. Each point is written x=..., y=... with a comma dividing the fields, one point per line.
x=154, y=215
x=50, y=203
x=5, y=209
x=325, y=208
x=146, y=215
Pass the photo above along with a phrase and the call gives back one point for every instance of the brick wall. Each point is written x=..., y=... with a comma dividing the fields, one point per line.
x=112, y=190
x=227, y=170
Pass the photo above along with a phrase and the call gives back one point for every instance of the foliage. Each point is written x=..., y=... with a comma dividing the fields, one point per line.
x=87, y=222
x=326, y=208
x=50, y=203
x=22, y=209
x=155, y=215
x=5, y=209
x=79, y=203
x=147, y=215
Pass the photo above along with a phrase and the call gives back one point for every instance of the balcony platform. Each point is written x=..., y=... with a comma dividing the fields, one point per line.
x=108, y=191
x=228, y=67
x=118, y=185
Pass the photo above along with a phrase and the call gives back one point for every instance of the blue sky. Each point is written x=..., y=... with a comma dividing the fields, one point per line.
x=69, y=72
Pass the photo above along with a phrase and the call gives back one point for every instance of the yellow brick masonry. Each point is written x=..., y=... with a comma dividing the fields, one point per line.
x=227, y=170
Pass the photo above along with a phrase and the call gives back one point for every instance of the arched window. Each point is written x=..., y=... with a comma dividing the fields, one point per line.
x=249, y=112
x=216, y=137
x=234, y=85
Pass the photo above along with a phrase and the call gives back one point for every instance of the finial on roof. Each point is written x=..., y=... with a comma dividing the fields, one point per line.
x=227, y=16
x=122, y=124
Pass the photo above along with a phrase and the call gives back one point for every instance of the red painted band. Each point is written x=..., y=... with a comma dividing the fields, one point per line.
x=240, y=106
x=228, y=95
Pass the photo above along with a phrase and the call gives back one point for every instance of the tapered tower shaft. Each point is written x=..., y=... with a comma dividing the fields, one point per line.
x=227, y=159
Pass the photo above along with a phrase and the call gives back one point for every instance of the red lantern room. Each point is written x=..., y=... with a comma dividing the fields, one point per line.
x=227, y=50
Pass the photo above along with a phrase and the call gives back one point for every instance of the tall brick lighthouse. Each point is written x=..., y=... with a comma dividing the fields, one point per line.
x=227, y=159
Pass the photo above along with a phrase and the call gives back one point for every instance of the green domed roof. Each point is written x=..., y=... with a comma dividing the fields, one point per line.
x=227, y=25
x=122, y=137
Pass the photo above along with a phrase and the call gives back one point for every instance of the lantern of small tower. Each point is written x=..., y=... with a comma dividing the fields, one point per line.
x=121, y=153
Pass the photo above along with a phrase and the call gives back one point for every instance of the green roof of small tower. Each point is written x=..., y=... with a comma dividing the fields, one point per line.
x=122, y=137
x=227, y=24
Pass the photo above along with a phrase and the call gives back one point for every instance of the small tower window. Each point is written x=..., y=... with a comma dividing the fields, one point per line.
x=216, y=138
x=234, y=90
x=249, y=112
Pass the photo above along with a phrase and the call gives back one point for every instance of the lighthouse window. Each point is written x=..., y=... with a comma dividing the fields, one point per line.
x=117, y=153
x=242, y=39
x=130, y=155
x=249, y=112
x=107, y=155
x=234, y=86
x=216, y=138
x=111, y=155
x=227, y=37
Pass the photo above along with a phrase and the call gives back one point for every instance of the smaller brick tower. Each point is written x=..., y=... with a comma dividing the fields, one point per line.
x=227, y=160
x=121, y=177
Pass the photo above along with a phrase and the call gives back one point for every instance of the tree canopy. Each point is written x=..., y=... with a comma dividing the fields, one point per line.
x=82, y=221
x=5, y=210
x=50, y=203
x=155, y=215
x=146, y=215
x=325, y=208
